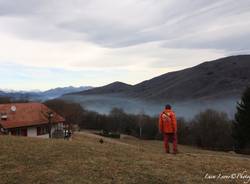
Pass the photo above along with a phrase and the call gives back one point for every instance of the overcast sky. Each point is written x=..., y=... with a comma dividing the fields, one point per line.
x=50, y=43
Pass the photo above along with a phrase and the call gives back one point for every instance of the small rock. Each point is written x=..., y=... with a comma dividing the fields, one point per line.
x=101, y=141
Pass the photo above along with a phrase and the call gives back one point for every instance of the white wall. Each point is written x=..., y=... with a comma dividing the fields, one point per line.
x=32, y=131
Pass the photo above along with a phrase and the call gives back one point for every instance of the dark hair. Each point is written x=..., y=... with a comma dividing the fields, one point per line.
x=168, y=106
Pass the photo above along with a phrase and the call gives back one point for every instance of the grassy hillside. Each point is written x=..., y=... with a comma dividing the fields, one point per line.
x=85, y=160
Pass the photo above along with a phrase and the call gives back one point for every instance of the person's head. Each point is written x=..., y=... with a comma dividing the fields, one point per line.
x=168, y=107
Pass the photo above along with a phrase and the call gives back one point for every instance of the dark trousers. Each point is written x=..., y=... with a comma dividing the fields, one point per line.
x=166, y=139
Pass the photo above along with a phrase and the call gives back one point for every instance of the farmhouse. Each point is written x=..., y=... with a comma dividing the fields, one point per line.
x=29, y=119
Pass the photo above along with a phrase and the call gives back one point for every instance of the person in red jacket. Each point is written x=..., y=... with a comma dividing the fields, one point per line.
x=168, y=127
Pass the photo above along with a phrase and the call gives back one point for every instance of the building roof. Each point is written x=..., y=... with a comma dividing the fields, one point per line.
x=26, y=114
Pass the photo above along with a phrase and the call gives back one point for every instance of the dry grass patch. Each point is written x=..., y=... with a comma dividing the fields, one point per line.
x=85, y=160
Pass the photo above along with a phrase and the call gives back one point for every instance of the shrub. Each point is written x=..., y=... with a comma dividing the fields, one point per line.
x=184, y=132
x=211, y=129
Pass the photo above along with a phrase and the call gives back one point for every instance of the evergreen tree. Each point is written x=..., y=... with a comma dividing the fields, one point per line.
x=241, y=128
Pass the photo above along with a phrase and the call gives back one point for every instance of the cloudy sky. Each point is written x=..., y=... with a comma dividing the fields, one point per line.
x=50, y=43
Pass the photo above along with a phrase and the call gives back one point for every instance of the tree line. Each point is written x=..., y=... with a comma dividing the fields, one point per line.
x=209, y=129
x=116, y=121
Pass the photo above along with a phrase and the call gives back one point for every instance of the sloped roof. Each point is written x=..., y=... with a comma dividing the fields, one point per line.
x=27, y=114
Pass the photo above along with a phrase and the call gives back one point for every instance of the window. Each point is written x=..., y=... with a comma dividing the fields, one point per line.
x=4, y=116
x=19, y=131
x=42, y=130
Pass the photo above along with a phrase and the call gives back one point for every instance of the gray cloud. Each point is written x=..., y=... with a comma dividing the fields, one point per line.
x=186, y=24
x=19, y=7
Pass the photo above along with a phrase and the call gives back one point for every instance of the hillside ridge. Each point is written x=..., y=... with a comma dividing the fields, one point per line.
x=224, y=77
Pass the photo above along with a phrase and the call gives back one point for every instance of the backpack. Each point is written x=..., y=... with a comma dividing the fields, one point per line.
x=166, y=119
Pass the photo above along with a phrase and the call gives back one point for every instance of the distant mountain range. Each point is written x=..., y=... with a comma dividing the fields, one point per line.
x=42, y=95
x=216, y=84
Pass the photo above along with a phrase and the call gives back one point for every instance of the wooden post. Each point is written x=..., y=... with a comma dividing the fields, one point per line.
x=50, y=123
x=140, y=132
x=141, y=119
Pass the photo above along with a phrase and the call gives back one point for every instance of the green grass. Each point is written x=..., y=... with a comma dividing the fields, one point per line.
x=84, y=160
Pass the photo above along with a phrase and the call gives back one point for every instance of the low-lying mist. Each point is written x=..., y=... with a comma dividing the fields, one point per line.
x=188, y=109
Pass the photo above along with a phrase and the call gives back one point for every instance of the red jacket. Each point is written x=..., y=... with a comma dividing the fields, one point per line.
x=167, y=122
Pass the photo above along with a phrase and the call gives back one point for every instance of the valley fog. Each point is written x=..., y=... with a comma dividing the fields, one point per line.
x=187, y=109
